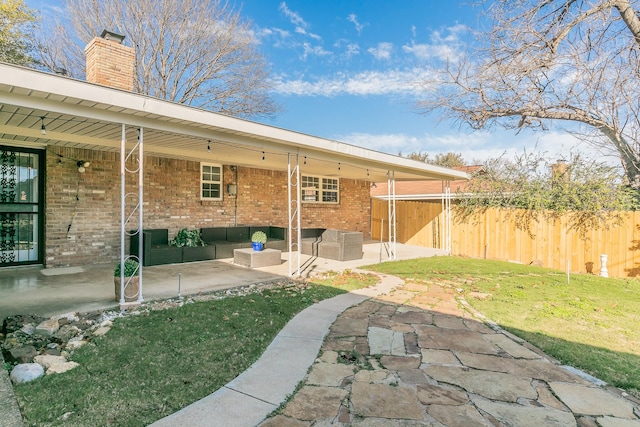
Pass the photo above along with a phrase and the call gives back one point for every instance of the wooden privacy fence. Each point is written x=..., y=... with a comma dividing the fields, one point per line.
x=494, y=235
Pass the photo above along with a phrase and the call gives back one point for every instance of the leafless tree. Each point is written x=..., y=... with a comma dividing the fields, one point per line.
x=194, y=52
x=552, y=60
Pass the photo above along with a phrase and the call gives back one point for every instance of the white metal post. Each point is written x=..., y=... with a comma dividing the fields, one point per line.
x=391, y=205
x=127, y=216
x=294, y=196
x=122, y=213
x=140, y=206
x=446, y=211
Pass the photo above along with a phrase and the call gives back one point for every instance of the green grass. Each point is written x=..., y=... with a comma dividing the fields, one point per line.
x=151, y=365
x=591, y=323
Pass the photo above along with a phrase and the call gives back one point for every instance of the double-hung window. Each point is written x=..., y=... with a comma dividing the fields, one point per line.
x=210, y=181
x=318, y=189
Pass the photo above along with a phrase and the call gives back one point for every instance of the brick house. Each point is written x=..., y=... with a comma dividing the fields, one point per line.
x=78, y=159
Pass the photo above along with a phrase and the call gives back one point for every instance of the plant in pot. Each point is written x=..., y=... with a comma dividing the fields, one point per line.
x=193, y=247
x=258, y=239
x=187, y=238
x=131, y=280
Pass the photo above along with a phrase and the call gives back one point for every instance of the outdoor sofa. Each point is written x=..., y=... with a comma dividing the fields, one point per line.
x=332, y=244
x=220, y=243
x=155, y=247
x=226, y=239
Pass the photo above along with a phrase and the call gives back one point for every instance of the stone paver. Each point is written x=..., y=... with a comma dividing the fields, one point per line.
x=385, y=401
x=412, y=357
x=313, y=403
x=527, y=416
x=592, y=400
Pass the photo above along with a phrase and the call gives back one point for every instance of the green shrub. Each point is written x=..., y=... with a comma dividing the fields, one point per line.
x=259, y=237
x=131, y=268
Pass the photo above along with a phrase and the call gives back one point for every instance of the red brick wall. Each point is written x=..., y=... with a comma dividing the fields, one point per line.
x=90, y=203
x=110, y=63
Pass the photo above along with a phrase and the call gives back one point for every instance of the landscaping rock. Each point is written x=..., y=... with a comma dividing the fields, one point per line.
x=47, y=328
x=76, y=342
x=15, y=323
x=26, y=372
x=47, y=361
x=62, y=367
x=66, y=332
x=23, y=354
x=28, y=329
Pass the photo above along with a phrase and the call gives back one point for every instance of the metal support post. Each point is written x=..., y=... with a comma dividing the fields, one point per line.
x=391, y=205
x=446, y=209
x=294, y=195
x=129, y=224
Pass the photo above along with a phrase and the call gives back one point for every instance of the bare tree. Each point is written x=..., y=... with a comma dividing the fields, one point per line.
x=194, y=52
x=554, y=60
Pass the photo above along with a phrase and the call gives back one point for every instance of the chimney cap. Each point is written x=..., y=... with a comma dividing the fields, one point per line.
x=110, y=35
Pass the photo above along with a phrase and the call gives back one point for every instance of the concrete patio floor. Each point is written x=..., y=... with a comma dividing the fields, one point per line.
x=47, y=292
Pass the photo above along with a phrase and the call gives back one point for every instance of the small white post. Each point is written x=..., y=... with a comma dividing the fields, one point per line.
x=603, y=266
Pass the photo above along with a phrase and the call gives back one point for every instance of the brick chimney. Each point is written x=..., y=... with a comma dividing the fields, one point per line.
x=109, y=62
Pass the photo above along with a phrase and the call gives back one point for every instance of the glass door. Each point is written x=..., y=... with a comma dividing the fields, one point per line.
x=21, y=206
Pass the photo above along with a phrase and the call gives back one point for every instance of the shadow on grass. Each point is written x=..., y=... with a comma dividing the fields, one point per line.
x=615, y=368
x=159, y=361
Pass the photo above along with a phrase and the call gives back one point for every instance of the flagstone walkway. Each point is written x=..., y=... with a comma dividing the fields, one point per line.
x=415, y=358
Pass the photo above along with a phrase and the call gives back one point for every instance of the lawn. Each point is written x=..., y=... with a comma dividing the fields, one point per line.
x=153, y=364
x=590, y=323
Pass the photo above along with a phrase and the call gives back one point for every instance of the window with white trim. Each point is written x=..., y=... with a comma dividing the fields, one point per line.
x=318, y=189
x=210, y=181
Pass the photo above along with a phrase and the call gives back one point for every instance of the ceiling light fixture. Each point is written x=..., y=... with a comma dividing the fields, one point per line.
x=209, y=146
x=43, y=128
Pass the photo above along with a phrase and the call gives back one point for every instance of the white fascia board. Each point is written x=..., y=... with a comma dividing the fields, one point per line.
x=131, y=109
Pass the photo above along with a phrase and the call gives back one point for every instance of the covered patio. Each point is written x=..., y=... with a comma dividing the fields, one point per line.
x=81, y=131
x=49, y=292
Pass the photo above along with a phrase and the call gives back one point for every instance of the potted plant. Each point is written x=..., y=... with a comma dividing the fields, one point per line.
x=258, y=239
x=131, y=280
x=193, y=247
x=187, y=238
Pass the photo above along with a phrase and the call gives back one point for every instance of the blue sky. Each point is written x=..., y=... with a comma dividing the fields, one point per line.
x=347, y=70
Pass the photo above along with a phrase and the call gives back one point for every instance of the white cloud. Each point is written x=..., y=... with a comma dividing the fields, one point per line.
x=314, y=50
x=447, y=47
x=352, y=50
x=354, y=20
x=347, y=47
x=382, y=51
x=365, y=83
x=304, y=32
x=476, y=146
x=293, y=17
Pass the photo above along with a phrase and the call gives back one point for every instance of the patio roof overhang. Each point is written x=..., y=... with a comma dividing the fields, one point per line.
x=83, y=115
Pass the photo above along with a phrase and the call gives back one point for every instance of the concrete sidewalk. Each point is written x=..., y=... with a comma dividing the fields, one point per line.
x=414, y=357
x=249, y=398
x=405, y=355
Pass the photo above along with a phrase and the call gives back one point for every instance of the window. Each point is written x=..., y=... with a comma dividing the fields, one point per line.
x=211, y=181
x=319, y=189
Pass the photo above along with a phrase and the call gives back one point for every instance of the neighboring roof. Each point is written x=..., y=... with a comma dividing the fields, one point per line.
x=90, y=116
x=424, y=190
